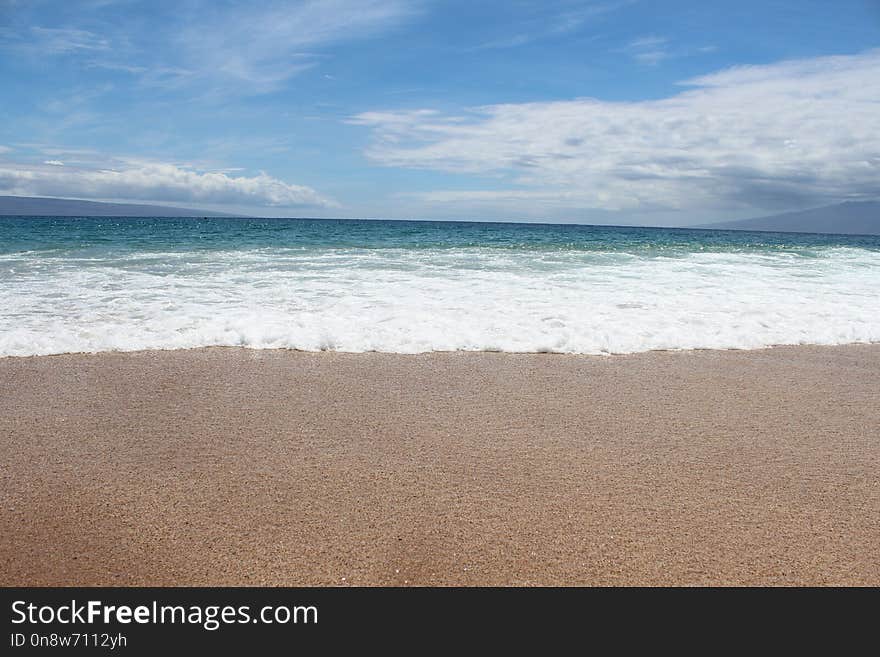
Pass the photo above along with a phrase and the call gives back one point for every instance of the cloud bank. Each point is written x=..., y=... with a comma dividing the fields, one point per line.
x=784, y=135
x=163, y=183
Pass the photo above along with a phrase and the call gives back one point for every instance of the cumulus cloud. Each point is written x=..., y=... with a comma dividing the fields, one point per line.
x=784, y=135
x=156, y=183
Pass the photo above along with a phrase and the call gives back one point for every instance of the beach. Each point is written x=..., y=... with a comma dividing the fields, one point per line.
x=233, y=466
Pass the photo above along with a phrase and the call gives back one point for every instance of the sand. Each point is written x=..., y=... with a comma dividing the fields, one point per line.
x=231, y=466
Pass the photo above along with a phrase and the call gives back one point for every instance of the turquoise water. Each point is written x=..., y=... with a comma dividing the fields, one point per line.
x=97, y=284
x=185, y=234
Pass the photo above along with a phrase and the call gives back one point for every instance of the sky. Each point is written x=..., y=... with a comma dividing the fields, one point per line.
x=606, y=111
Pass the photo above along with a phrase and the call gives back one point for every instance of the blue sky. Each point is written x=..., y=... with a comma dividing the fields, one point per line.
x=607, y=112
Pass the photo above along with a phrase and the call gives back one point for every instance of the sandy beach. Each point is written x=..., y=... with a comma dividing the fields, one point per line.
x=227, y=466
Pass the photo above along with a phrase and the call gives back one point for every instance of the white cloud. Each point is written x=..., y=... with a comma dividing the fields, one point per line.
x=648, y=50
x=59, y=41
x=783, y=135
x=163, y=183
x=229, y=47
x=647, y=42
x=259, y=47
x=652, y=50
x=651, y=57
x=54, y=163
x=553, y=24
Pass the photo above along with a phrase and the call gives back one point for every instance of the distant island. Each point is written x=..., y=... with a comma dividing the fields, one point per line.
x=65, y=207
x=851, y=218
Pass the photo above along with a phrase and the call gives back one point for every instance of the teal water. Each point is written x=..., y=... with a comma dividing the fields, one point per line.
x=98, y=284
x=150, y=234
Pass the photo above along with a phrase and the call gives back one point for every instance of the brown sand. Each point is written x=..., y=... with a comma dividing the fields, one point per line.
x=231, y=466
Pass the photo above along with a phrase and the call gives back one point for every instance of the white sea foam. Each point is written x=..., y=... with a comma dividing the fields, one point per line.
x=397, y=300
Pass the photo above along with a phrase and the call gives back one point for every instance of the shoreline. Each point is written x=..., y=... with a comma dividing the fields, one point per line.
x=242, y=466
x=615, y=354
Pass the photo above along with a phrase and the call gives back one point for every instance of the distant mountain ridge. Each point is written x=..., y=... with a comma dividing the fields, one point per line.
x=63, y=207
x=850, y=218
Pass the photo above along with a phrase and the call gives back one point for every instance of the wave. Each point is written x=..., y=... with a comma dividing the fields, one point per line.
x=410, y=301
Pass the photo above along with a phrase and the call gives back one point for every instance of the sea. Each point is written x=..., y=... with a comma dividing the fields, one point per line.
x=95, y=284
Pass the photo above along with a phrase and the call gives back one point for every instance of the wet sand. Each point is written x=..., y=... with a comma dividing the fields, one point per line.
x=235, y=467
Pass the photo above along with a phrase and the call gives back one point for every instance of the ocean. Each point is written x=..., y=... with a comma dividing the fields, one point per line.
x=104, y=284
